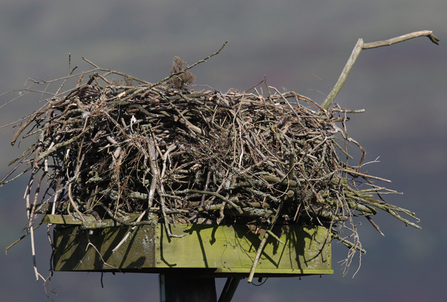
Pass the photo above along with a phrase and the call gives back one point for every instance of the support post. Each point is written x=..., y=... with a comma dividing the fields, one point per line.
x=185, y=287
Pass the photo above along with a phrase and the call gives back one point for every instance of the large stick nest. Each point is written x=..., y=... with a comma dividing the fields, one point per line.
x=111, y=147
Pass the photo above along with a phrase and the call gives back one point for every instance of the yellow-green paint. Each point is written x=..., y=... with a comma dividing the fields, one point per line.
x=216, y=250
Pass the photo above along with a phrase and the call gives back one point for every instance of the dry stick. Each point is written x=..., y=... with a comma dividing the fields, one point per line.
x=154, y=169
x=57, y=80
x=33, y=252
x=374, y=225
x=129, y=232
x=258, y=255
x=70, y=197
x=115, y=72
x=21, y=238
x=365, y=175
x=348, y=243
x=208, y=177
x=160, y=189
x=21, y=93
x=356, y=51
x=189, y=67
x=61, y=144
x=21, y=158
x=216, y=194
x=99, y=253
x=16, y=136
x=427, y=33
x=151, y=86
x=70, y=72
x=261, y=246
x=31, y=217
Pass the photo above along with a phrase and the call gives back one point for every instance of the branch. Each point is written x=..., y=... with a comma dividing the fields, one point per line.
x=356, y=51
x=344, y=74
x=193, y=65
x=402, y=38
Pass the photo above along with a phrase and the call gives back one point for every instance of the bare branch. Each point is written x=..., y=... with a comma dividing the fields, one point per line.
x=358, y=48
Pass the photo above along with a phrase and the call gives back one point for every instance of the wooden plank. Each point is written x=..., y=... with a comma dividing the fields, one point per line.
x=62, y=219
x=92, y=250
x=87, y=221
x=215, y=250
x=231, y=249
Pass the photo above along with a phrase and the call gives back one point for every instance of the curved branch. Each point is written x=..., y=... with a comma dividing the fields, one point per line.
x=427, y=33
x=356, y=51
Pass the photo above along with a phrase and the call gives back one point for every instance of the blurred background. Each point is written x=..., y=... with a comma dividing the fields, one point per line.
x=299, y=45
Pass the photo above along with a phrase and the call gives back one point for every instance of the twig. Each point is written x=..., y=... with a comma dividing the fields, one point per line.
x=129, y=232
x=276, y=237
x=70, y=197
x=356, y=51
x=261, y=246
x=374, y=225
x=97, y=251
x=416, y=34
x=257, y=256
x=348, y=243
x=344, y=74
x=33, y=253
x=21, y=238
x=189, y=67
x=364, y=175
x=189, y=191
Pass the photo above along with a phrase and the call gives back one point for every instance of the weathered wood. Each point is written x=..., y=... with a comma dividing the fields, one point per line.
x=217, y=251
x=361, y=45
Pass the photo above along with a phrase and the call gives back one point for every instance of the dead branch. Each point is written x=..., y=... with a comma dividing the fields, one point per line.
x=361, y=45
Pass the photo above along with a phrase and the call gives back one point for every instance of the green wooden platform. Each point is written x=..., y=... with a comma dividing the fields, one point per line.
x=217, y=251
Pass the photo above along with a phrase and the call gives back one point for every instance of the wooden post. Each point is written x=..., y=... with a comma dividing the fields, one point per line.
x=185, y=287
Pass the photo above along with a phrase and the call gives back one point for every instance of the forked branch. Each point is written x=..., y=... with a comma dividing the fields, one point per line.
x=358, y=48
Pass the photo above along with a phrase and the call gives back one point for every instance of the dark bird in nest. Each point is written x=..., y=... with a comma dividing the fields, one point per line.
x=182, y=78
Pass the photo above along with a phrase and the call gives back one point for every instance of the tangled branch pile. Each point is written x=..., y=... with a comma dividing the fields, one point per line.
x=108, y=148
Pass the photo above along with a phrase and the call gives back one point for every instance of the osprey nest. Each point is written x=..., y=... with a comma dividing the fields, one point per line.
x=115, y=145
